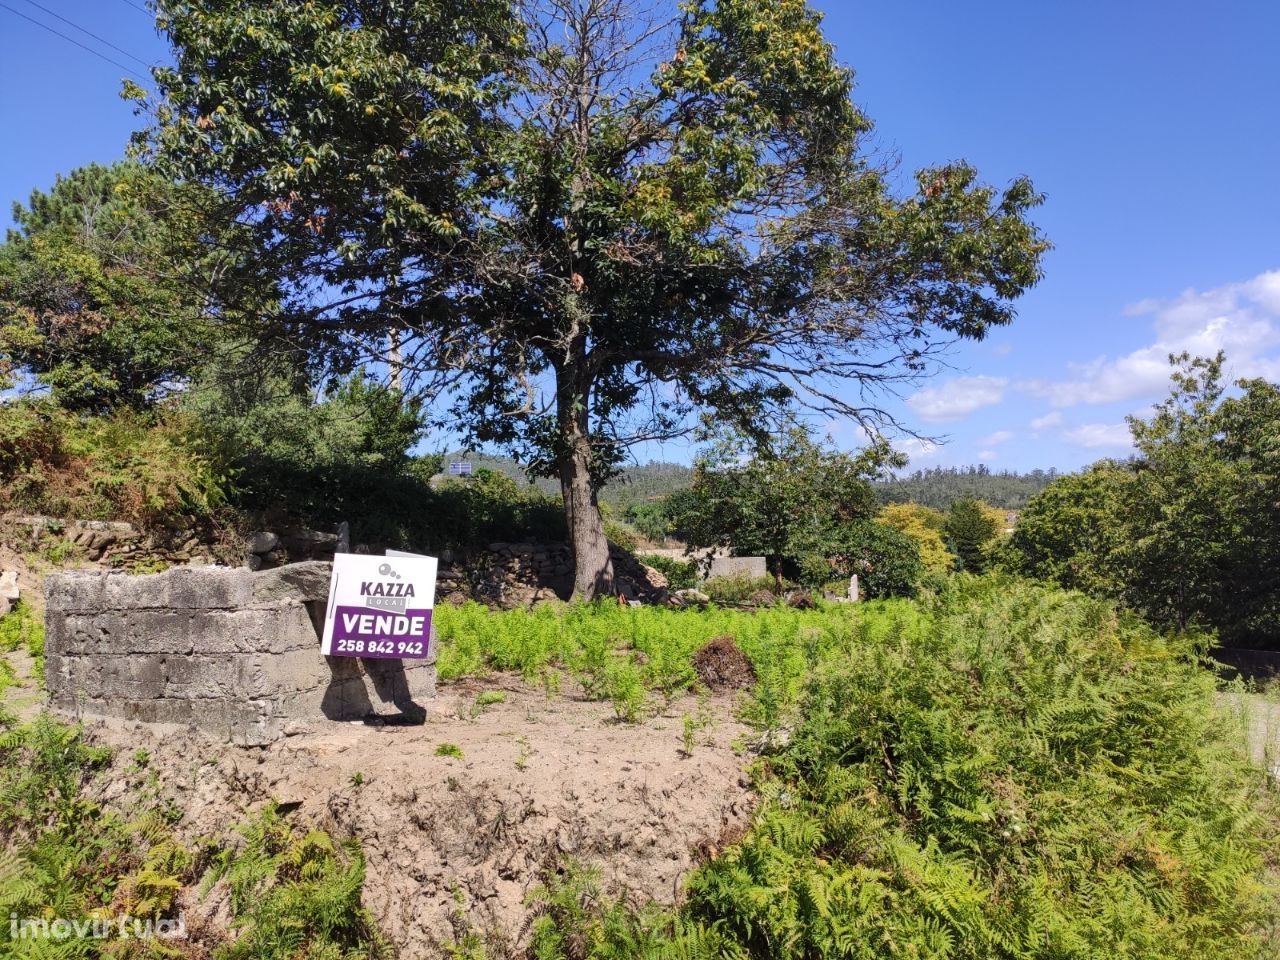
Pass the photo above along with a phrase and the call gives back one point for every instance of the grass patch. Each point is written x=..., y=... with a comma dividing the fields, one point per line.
x=449, y=750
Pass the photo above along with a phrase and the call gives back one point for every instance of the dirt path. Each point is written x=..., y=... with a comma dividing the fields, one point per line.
x=457, y=843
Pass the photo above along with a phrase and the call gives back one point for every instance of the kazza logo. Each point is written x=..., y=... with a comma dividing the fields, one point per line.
x=387, y=595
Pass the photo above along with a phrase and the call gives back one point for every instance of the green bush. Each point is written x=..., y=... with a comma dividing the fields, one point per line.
x=887, y=561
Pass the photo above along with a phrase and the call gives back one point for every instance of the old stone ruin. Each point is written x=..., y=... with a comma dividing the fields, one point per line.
x=232, y=652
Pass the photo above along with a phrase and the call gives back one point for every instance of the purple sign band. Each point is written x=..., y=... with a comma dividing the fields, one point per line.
x=383, y=634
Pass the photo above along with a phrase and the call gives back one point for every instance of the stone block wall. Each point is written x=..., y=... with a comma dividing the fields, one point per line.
x=233, y=652
x=753, y=567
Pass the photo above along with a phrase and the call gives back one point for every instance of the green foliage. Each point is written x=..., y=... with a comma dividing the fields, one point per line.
x=939, y=487
x=998, y=772
x=1189, y=530
x=1072, y=534
x=680, y=574
x=295, y=895
x=578, y=286
x=451, y=750
x=313, y=457
x=924, y=525
x=970, y=529
x=886, y=560
x=783, y=503
x=1018, y=774
x=624, y=686
x=597, y=645
x=63, y=856
x=21, y=629
x=576, y=920
x=105, y=294
x=621, y=534
x=152, y=469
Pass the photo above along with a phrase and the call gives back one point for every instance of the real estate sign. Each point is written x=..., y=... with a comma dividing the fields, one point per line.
x=380, y=606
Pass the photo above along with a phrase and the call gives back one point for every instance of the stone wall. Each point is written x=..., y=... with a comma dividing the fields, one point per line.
x=753, y=567
x=233, y=652
x=511, y=575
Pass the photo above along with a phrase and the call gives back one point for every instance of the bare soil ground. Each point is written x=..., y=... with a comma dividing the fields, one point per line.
x=456, y=844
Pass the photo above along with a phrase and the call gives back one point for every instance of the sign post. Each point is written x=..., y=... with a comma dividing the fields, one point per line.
x=380, y=606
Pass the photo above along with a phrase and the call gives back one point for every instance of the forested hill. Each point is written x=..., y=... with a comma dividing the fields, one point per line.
x=644, y=481
x=942, y=486
x=937, y=488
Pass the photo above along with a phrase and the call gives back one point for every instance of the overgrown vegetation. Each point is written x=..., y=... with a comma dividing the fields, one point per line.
x=294, y=895
x=1001, y=771
x=63, y=857
x=1188, y=531
x=21, y=629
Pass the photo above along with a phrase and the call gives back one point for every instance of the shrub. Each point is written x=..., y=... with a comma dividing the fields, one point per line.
x=295, y=894
x=21, y=629
x=886, y=560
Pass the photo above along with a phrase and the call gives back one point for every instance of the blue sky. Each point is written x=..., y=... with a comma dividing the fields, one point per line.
x=1151, y=126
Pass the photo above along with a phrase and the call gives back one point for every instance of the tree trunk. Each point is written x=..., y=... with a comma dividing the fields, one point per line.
x=592, y=568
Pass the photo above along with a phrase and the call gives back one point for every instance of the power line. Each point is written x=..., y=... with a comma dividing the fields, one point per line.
x=59, y=33
x=136, y=7
x=89, y=33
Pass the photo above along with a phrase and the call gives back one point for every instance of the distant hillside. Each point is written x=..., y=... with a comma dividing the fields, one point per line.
x=942, y=486
x=642, y=482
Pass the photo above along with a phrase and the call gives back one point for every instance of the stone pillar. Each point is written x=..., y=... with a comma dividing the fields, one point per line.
x=853, y=589
x=233, y=652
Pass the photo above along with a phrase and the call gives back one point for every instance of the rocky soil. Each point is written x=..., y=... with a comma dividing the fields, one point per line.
x=456, y=844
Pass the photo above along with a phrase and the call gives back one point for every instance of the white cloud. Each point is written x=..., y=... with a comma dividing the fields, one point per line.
x=1053, y=419
x=1096, y=435
x=997, y=438
x=985, y=455
x=918, y=448
x=957, y=398
x=1241, y=318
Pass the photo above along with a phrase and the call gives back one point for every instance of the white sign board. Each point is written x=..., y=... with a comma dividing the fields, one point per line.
x=380, y=606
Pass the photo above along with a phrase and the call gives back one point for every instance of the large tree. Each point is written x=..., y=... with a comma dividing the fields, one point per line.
x=575, y=223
